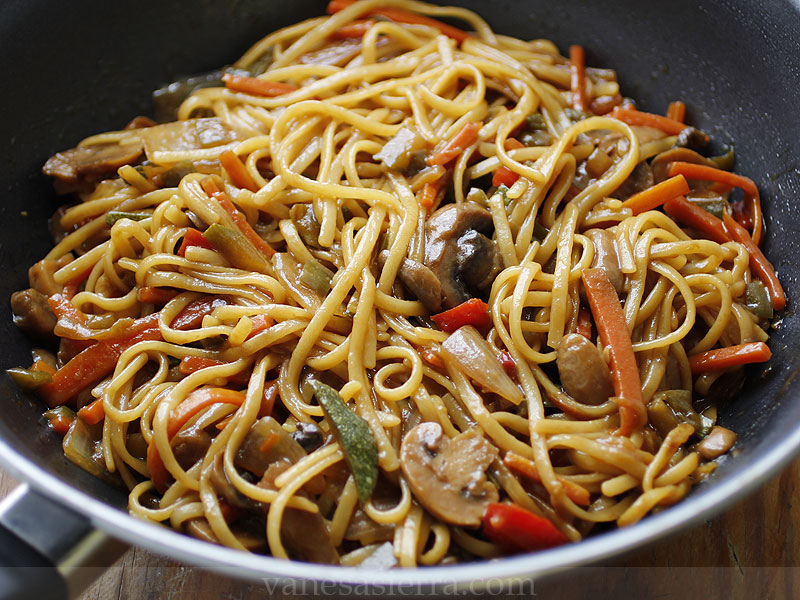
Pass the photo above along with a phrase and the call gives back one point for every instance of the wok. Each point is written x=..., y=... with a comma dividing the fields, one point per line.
x=80, y=67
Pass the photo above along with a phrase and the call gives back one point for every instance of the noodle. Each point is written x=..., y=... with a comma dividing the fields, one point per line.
x=282, y=234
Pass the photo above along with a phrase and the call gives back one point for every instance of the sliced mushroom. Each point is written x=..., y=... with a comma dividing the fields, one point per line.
x=92, y=163
x=716, y=443
x=605, y=256
x=460, y=253
x=190, y=445
x=583, y=371
x=40, y=275
x=224, y=489
x=33, y=315
x=420, y=280
x=448, y=476
x=692, y=138
x=640, y=179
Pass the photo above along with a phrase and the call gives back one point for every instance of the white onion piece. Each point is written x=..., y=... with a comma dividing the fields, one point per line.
x=475, y=357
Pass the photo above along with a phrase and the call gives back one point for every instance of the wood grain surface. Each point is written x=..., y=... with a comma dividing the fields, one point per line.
x=751, y=551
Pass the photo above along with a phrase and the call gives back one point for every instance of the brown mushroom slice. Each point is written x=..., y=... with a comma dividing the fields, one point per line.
x=605, y=256
x=33, y=315
x=192, y=134
x=583, y=371
x=716, y=443
x=448, y=476
x=418, y=279
x=640, y=179
x=460, y=253
x=97, y=161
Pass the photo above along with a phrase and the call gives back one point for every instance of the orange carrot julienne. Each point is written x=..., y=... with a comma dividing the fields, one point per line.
x=260, y=323
x=257, y=87
x=613, y=332
x=584, y=323
x=211, y=188
x=430, y=192
x=155, y=295
x=731, y=356
x=356, y=29
x=40, y=365
x=238, y=172
x=402, y=16
x=191, y=405
x=93, y=412
x=65, y=309
x=578, y=494
x=431, y=356
x=456, y=145
x=747, y=185
x=657, y=195
x=60, y=424
x=759, y=263
x=577, y=70
x=503, y=175
x=636, y=117
x=691, y=215
x=676, y=111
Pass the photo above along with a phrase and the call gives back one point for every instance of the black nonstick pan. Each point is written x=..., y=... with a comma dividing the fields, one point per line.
x=75, y=68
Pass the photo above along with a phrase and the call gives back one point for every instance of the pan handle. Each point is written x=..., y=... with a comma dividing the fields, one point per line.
x=49, y=552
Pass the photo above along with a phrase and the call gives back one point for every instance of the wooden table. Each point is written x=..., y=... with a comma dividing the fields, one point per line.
x=751, y=551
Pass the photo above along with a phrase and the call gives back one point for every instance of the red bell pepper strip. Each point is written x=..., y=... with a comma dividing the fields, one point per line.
x=257, y=87
x=508, y=363
x=504, y=175
x=613, y=332
x=473, y=312
x=758, y=262
x=402, y=16
x=518, y=530
x=731, y=356
x=95, y=362
x=193, y=237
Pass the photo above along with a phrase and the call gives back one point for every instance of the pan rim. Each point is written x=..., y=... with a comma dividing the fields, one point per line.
x=704, y=504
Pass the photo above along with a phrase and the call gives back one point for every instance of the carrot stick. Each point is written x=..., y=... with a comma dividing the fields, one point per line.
x=691, y=215
x=747, y=185
x=92, y=364
x=191, y=405
x=759, y=263
x=584, y=324
x=191, y=317
x=504, y=175
x=676, y=111
x=401, y=16
x=732, y=356
x=577, y=70
x=523, y=466
x=657, y=195
x=60, y=424
x=636, y=117
x=155, y=295
x=430, y=192
x=238, y=172
x=210, y=187
x=260, y=323
x=65, y=309
x=356, y=29
x=40, y=365
x=613, y=332
x=93, y=412
x=257, y=87
x=456, y=145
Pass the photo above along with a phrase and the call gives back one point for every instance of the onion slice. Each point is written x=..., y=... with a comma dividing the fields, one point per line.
x=475, y=357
